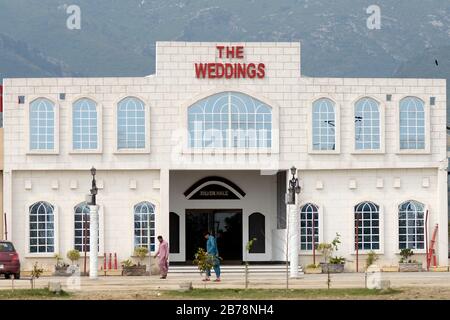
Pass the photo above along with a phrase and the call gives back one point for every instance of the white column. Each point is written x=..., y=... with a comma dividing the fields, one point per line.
x=293, y=239
x=442, y=219
x=93, y=254
x=163, y=215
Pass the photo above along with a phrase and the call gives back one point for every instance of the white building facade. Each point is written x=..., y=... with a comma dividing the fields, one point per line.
x=206, y=143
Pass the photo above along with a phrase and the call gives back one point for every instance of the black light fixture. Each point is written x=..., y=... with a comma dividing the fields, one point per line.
x=294, y=187
x=94, y=189
x=432, y=101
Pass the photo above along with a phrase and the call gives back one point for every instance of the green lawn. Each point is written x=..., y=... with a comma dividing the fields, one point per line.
x=262, y=294
x=32, y=294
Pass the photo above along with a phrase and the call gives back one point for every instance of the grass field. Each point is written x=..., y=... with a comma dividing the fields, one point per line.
x=278, y=294
x=23, y=294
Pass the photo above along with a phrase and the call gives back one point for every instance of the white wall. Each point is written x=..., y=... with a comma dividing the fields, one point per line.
x=337, y=201
x=115, y=198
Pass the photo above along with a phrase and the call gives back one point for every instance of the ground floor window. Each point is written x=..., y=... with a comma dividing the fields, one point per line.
x=411, y=225
x=144, y=225
x=309, y=225
x=82, y=228
x=42, y=228
x=367, y=226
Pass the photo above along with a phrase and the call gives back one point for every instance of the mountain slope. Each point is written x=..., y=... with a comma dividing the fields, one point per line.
x=118, y=37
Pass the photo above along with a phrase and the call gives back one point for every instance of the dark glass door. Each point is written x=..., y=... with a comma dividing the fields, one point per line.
x=225, y=225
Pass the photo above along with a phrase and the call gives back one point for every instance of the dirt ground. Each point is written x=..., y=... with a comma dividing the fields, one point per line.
x=409, y=293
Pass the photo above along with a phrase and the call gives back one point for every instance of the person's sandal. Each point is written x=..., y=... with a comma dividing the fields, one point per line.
x=217, y=280
x=206, y=280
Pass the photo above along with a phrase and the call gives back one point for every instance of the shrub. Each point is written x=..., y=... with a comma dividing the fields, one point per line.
x=127, y=263
x=327, y=250
x=141, y=253
x=405, y=254
x=73, y=255
x=203, y=260
x=371, y=258
x=337, y=260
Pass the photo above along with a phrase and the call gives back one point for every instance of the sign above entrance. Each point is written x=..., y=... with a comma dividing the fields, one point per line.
x=236, y=70
x=214, y=188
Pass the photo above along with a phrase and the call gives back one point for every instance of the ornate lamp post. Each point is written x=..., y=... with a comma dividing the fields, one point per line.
x=293, y=236
x=93, y=207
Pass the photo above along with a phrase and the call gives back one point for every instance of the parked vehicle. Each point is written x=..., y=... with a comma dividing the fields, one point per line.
x=9, y=260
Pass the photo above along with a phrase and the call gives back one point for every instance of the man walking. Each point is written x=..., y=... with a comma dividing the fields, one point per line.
x=212, y=250
x=163, y=254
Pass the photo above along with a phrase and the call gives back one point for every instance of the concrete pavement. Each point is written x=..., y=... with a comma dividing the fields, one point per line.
x=257, y=281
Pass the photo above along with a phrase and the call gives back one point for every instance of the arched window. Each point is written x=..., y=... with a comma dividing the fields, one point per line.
x=257, y=230
x=230, y=120
x=411, y=230
x=309, y=225
x=131, y=124
x=412, y=124
x=144, y=225
x=82, y=228
x=367, y=226
x=42, y=228
x=324, y=125
x=84, y=124
x=367, y=125
x=42, y=125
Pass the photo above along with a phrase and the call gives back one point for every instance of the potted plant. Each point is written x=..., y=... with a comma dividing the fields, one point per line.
x=331, y=264
x=60, y=266
x=313, y=268
x=406, y=264
x=131, y=269
x=73, y=256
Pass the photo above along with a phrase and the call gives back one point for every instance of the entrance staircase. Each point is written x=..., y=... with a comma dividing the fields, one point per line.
x=272, y=269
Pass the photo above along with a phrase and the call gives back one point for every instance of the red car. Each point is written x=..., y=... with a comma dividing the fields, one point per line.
x=9, y=260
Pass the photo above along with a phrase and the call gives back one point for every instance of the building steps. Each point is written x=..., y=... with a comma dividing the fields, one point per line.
x=259, y=269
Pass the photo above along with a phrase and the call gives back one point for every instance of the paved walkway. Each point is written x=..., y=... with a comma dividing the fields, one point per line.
x=257, y=281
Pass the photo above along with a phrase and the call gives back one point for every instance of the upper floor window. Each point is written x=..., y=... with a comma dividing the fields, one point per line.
x=230, y=120
x=42, y=125
x=367, y=125
x=84, y=118
x=131, y=124
x=412, y=124
x=324, y=125
x=42, y=228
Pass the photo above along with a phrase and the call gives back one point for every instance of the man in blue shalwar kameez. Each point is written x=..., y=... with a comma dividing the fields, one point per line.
x=212, y=250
